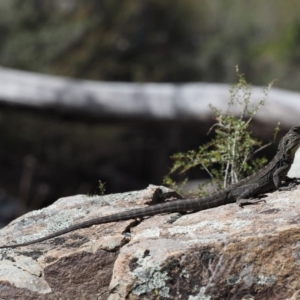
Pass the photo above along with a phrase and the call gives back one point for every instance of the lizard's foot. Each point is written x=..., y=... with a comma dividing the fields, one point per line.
x=290, y=187
x=291, y=183
x=243, y=202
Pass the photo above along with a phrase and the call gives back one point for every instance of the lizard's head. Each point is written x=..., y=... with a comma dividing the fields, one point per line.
x=290, y=142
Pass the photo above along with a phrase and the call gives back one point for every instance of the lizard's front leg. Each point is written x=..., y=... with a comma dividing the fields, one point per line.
x=277, y=179
x=279, y=173
x=243, y=194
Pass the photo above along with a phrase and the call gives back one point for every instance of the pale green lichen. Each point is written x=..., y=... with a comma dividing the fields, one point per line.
x=266, y=279
x=149, y=276
x=148, y=233
x=238, y=224
x=200, y=296
x=232, y=280
x=189, y=229
x=244, y=211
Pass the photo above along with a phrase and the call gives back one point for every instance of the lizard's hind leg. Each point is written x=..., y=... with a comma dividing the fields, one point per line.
x=243, y=194
x=243, y=202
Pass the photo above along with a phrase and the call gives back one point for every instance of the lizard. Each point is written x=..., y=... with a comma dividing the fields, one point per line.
x=266, y=179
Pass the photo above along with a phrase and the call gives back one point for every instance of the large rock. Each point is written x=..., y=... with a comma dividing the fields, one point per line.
x=222, y=253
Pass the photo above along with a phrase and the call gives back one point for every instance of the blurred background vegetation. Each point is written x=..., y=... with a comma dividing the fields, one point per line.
x=153, y=40
x=45, y=157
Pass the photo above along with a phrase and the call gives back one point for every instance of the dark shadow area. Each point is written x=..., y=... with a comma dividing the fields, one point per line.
x=43, y=158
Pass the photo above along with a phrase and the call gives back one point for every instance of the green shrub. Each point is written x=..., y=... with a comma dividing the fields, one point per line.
x=226, y=157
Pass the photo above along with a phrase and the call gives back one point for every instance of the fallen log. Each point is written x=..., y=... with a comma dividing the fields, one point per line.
x=134, y=101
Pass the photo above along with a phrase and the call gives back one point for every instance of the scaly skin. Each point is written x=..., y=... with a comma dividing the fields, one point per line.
x=266, y=179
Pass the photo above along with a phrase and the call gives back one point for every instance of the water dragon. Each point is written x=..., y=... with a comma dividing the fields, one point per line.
x=243, y=192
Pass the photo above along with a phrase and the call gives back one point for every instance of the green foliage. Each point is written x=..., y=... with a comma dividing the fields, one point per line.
x=160, y=41
x=106, y=40
x=102, y=188
x=226, y=156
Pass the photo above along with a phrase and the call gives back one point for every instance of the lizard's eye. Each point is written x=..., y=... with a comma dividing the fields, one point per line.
x=296, y=129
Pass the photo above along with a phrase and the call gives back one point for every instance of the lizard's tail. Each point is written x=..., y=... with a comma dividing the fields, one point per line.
x=169, y=207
